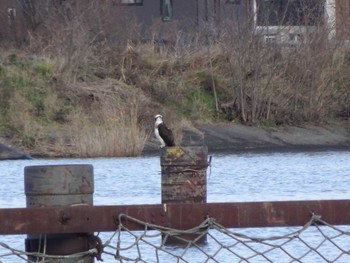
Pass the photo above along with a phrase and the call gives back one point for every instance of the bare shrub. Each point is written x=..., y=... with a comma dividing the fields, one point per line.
x=78, y=33
x=286, y=83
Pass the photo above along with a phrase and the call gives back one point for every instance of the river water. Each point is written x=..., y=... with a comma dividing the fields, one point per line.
x=231, y=177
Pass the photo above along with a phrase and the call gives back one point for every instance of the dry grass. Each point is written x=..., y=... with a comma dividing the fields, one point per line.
x=113, y=134
x=111, y=126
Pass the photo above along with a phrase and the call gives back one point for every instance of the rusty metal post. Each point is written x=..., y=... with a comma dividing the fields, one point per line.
x=184, y=178
x=59, y=185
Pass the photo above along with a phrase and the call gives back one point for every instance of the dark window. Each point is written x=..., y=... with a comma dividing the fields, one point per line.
x=267, y=12
x=131, y=2
x=11, y=15
x=271, y=39
x=235, y=2
x=217, y=11
x=166, y=10
x=289, y=12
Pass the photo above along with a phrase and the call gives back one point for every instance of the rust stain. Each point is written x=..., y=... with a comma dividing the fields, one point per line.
x=85, y=186
x=20, y=226
x=272, y=215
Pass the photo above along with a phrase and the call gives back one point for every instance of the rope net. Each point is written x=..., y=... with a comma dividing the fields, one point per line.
x=316, y=241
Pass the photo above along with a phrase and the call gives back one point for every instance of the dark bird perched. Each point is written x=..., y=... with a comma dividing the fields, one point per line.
x=162, y=132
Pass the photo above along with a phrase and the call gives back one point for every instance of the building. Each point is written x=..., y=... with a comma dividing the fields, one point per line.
x=286, y=21
x=18, y=18
x=292, y=21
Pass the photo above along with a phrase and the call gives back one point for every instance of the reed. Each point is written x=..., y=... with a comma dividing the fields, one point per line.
x=112, y=131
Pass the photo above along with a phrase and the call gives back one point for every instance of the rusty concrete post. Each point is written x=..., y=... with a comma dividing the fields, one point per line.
x=59, y=185
x=183, y=175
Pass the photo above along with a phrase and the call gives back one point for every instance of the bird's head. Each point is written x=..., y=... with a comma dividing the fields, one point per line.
x=159, y=119
x=158, y=116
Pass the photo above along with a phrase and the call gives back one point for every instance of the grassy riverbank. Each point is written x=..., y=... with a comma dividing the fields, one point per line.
x=101, y=101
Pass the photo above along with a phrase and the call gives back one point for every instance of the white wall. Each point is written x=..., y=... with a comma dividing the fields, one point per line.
x=330, y=17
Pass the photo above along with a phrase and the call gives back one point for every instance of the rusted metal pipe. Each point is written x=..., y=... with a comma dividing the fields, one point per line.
x=87, y=219
x=59, y=186
x=184, y=179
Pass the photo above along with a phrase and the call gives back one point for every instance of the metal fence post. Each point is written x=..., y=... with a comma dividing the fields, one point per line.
x=183, y=176
x=59, y=185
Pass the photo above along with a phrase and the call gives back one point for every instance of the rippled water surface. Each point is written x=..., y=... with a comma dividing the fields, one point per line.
x=231, y=177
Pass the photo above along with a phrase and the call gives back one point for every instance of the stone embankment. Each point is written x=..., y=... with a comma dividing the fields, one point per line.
x=229, y=137
x=9, y=153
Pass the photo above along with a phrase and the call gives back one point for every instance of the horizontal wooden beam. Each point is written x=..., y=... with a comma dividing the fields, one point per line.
x=85, y=219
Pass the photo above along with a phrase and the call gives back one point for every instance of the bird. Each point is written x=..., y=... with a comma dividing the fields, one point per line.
x=163, y=133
